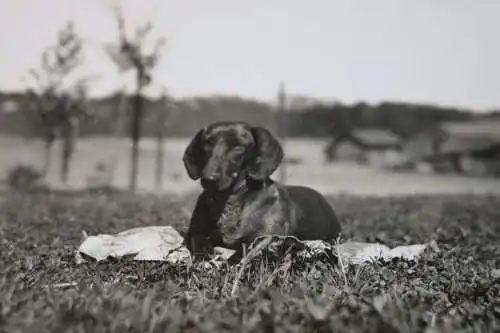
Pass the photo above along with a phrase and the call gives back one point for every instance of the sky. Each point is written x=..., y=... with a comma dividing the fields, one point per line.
x=444, y=52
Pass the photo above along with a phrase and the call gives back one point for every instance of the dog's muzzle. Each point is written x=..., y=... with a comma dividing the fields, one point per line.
x=219, y=183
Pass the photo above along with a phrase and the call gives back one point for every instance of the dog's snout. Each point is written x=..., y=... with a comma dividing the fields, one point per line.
x=212, y=171
x=213, y=176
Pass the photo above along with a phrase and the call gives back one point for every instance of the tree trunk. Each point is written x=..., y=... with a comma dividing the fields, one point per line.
x=47, y=156
x=160, y=152
x=136, y=136
x=121, y=112
x=456, y=162
x=70, y=134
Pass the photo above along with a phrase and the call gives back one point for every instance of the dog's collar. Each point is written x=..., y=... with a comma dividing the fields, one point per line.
x=240, y=188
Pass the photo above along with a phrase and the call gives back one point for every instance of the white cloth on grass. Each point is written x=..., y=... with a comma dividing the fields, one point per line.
x=164, y=243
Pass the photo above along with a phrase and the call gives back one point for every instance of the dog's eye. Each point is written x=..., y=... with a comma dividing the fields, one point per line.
x=210, y=141
x=238, y=148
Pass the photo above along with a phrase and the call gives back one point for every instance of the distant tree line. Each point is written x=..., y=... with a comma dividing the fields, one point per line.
x=185, y=116
x=404, y=119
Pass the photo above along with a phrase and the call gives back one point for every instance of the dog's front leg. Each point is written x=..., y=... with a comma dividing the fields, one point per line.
x=198, y=240
x=236, y=257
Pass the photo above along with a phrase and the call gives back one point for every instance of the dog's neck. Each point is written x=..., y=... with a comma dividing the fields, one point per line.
x=230, y=195
x=238, y=190
x=242, y=186
x=245, y=185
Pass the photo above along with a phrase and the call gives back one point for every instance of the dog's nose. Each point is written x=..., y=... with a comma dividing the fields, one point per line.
x=213, y=176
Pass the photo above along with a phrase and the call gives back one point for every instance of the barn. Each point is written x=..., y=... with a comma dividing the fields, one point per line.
x=471, y=147
x=375, y=147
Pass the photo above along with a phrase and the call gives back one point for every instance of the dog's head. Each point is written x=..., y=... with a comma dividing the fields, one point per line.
x=224, y=152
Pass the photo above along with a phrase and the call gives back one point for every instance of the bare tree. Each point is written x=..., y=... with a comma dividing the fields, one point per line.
x=130, y=55
x=56, y=105
x=39, y=115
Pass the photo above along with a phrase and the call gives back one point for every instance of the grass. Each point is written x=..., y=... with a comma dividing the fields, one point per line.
x=450, y=290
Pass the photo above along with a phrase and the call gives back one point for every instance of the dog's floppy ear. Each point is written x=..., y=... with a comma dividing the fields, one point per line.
x=269, y=154
x=193, y=156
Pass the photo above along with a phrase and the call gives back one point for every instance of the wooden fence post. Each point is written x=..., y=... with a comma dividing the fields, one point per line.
x=282, y=128
x=160, y=141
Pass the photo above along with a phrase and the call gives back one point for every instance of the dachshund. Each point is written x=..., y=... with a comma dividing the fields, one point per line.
x=234, y=162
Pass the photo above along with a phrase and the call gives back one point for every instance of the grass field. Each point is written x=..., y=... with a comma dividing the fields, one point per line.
x=327, y=178
x=455, y=289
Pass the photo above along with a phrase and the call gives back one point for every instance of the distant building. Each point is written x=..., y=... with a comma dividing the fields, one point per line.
x=9, y=106
x=471, y=147
x=374, y=147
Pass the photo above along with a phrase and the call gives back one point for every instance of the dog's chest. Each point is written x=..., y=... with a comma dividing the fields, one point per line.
x=230, y=218
x=228, y=225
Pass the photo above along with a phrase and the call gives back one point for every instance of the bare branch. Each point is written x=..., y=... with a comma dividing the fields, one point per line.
x=141, y=32
x=151, y=60
x=34, y=74
x=121, y=60
x=47, y=65
x=121, y=24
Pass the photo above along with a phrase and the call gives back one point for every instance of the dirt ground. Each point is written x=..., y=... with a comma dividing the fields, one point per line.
x=312, y=171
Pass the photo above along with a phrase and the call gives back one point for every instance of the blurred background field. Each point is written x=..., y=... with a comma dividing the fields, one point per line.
x=101, y=84
x=307, y=166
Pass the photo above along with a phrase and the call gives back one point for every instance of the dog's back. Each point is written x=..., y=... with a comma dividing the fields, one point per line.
x=314, y=216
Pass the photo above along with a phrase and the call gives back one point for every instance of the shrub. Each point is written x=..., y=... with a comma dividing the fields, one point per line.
x=24, y=177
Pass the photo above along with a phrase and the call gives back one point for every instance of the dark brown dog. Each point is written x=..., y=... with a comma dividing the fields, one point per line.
x=240, y=202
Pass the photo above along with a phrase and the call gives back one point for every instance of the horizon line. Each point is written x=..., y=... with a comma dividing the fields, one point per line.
x=312, y=99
